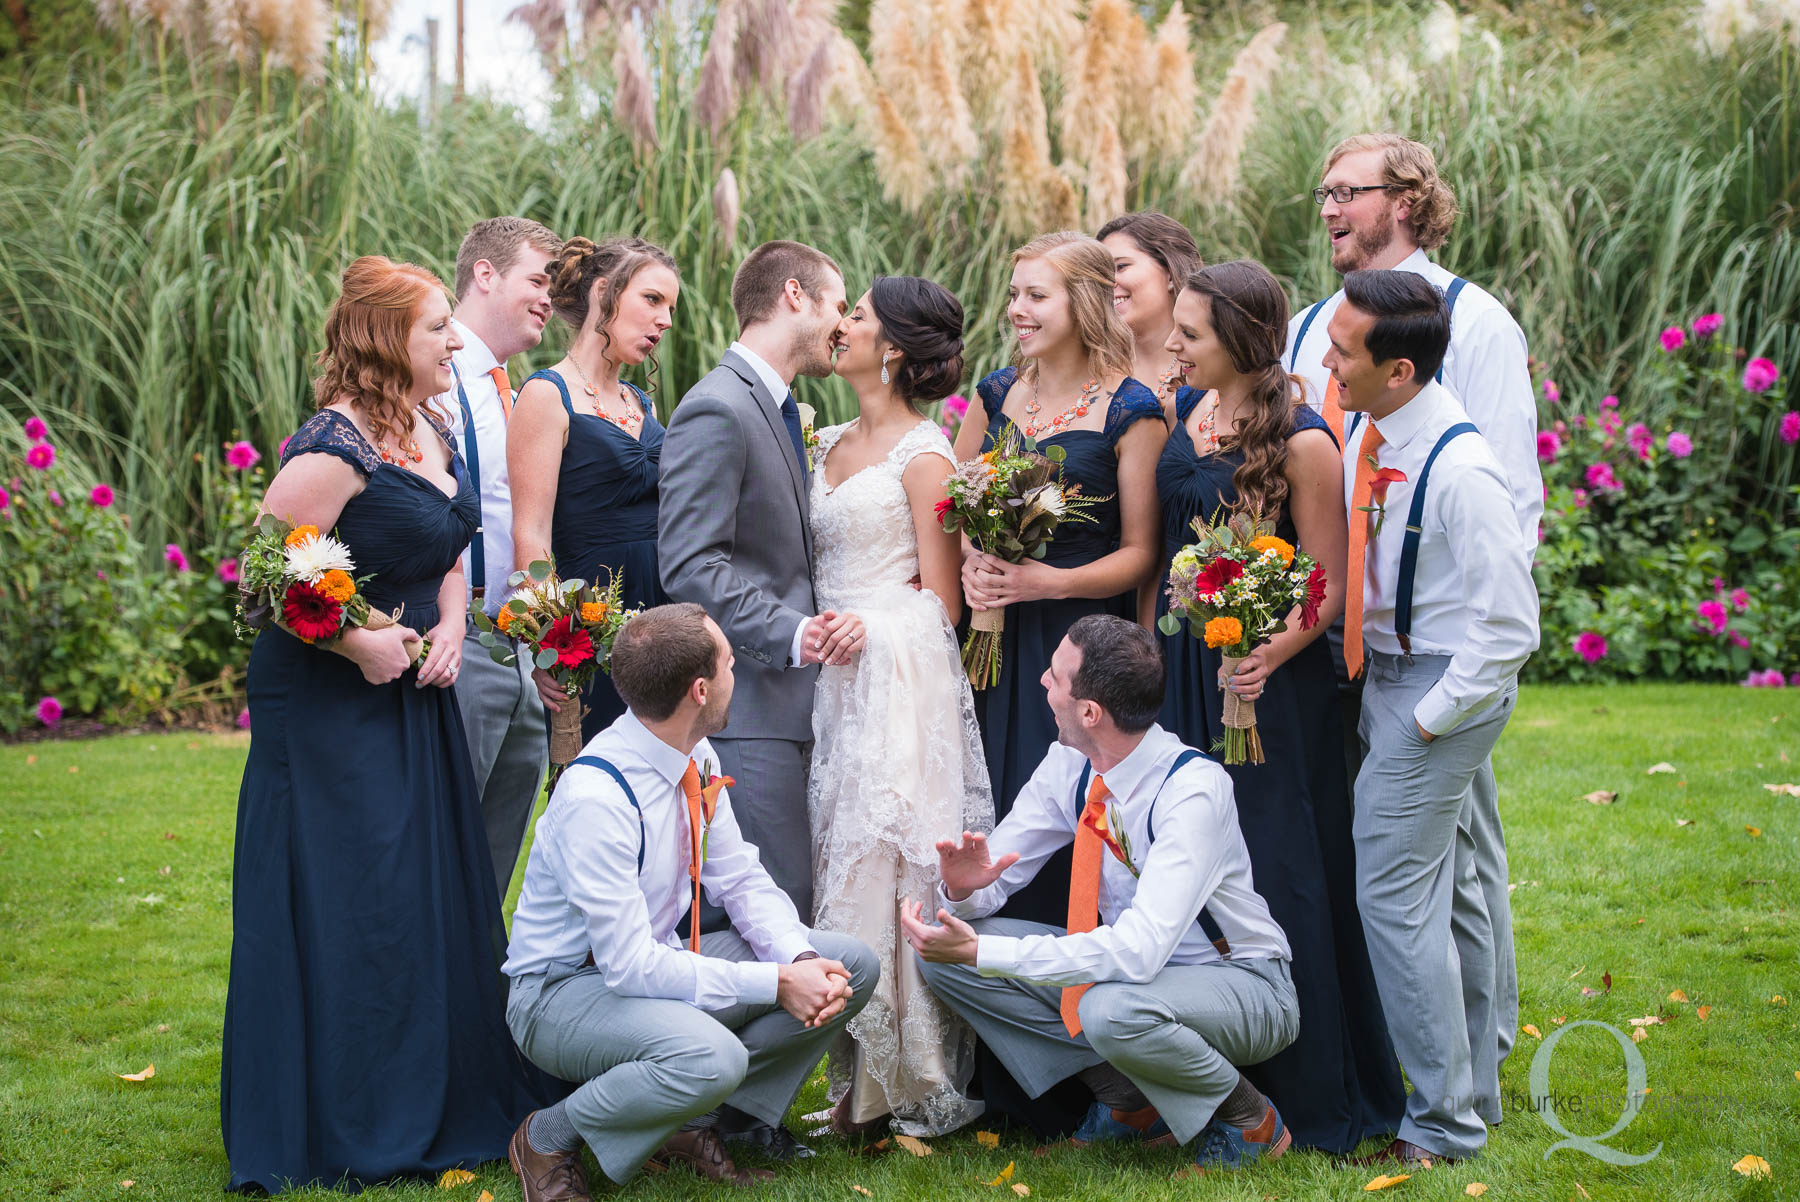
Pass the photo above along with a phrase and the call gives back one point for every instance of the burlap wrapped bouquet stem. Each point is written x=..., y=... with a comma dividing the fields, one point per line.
x=1242, y=744
x=565, y=730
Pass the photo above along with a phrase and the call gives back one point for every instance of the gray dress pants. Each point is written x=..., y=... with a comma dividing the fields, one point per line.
x=1432, y=942
x=648, y=1065
x=1179, y=1036
x=509, y=744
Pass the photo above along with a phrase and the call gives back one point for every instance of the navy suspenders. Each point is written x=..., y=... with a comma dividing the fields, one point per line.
x=1450, y=295
x=605, y=766
x=1187, y=756
x=472, y=453
x=1415, y=526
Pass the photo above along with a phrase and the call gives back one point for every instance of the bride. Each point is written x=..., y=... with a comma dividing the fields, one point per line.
x=897, y=756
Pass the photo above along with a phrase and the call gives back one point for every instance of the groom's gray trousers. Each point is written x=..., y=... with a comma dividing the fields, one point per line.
x=648, y=1065
x=1424, y=910
x=1179, y=1036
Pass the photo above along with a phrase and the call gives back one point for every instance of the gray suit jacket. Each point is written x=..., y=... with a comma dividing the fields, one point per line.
x=733, y=535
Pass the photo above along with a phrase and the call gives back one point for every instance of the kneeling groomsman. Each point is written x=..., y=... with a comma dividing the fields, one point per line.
x=671, y=1033
x=1144, y=1009
x=1441, y=591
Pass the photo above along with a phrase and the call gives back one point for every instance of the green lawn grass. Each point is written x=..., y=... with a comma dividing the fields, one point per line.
x=115, y=928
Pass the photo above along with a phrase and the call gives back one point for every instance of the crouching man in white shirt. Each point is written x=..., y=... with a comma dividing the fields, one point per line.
x=668, y=1031
x=1143, y=1009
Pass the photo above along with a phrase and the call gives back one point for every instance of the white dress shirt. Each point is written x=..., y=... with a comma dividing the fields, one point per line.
x=1148, y=922
x=1473, y=596
x=778, y=388
x=473, y=363
x=585, y=895
x=1487, y=368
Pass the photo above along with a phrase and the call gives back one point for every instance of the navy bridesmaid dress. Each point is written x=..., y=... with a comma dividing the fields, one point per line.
x=1017, y=727
x=1339, y=1082
x=605, y=520
x=364, y=1034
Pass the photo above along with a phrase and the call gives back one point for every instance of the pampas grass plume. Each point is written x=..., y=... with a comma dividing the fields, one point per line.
x=300, y=44
x=725, y=207
x=899, y=159
x=1211, y=173
x=1106, y=179
x=634, y=105
x=1173, y=89
x=806, y=91
x=948, y=127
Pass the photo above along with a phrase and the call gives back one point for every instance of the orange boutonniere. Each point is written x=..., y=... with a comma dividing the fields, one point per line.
x=709, y=802
x=1098, y=818
x=1378, y=489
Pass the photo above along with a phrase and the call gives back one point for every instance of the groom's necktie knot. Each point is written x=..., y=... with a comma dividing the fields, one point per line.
x=790, y=415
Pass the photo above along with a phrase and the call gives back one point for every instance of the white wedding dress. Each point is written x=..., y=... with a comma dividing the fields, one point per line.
x=897, y=765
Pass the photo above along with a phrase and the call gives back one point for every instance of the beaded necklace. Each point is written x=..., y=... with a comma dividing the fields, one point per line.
x=633, y=418
x=1170, y=381
x=1078, y=409
x=1206, y=441
x=408, y=454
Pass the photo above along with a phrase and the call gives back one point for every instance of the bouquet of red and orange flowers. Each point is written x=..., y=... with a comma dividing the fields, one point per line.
x=568, y=626
x=300, y=579
x=1009, y=501
x=1234, y=588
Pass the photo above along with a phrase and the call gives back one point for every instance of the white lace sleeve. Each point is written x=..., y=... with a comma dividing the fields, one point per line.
x=923, y=439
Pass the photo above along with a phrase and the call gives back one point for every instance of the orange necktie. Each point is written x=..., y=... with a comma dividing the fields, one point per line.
x=1360, y=520
x=1333, y=412
x=1084, y=891
x=690, y=787
x=505, y=387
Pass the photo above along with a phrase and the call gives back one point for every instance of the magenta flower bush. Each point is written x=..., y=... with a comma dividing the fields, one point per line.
x=101, y=496
x=1679, y=444
x=1790, y=427
x=1549, y=443
x=172, y=554
x=49, y=711
x=242, y=456
x=1674, y=338
x=1760, y=375
x=1707, y=324
x=42, y=456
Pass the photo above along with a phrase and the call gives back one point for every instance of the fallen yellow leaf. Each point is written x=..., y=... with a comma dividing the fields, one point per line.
x=1584, y=1193
x=1601, y=797
x=1781, y=790
x=1532, y=1031
x=149, y=1072
x=453, y=1178
x=127, y=1183
x=1560, y=1019
x=1384, y=1182
x=916, y=1147
x=1702, y=1013
x=1005, y=1175
x=1755, y=832
x=1474, y=1189
x=987, y=1139
x=1676, y=995
x=1753, y=1166
x=1649, y=1020
x=864, y=1192
x=1021, y=1189
x=1684, y=822
x=485, y=1197
x=32, y=759
x=1778, y=1000
x=1654, y=769
x=74, y=768
x=1639, y=1035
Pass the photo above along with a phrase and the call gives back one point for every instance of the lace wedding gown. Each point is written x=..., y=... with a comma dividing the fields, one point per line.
x=897, y=765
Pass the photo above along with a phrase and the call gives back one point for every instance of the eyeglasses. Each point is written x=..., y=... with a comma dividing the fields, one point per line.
x=1345, y=193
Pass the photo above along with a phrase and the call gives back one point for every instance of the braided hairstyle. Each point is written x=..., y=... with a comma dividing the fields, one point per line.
x=612, y=263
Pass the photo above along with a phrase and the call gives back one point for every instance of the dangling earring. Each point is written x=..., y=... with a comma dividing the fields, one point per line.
x=884, y=370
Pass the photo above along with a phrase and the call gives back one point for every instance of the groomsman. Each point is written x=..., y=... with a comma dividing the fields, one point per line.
x=1131, y=996
x=502, y=303
x=1385, y=206
x=668, y=1031
x=1441, y=591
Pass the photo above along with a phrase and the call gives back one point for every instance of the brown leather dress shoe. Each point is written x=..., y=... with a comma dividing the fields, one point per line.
x=1401, y=1153
x=703, y=1150
x=552, y=1177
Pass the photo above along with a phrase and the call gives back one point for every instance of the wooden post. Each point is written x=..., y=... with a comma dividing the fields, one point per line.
x=459, y=49
x=431, y=69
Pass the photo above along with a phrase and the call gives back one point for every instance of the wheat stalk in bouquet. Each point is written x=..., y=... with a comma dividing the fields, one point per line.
x=1009, y=501
x=1234, y=587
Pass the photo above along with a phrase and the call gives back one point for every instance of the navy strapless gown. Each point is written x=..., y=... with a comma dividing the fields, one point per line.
x=1339, y=1082
x=605, y=520
x=1017, y=727
x=365, y=1035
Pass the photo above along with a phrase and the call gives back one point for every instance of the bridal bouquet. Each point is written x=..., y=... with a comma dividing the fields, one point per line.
x=1009, y=501
x=568, y=627
x=1234, y=588
x=301, y=579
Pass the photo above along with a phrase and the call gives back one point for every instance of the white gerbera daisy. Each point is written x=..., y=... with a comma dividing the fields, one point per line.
x=312, y=557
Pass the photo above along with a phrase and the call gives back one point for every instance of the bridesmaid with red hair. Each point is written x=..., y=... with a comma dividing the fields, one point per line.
x=365, y=1035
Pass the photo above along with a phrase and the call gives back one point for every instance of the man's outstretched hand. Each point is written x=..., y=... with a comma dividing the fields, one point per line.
x=955, y=942
x=965, y=867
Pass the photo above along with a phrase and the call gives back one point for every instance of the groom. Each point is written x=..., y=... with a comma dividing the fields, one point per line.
x=733, y=535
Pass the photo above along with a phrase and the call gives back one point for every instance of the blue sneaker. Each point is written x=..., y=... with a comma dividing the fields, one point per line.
x=1103, y=1124
x=1223, y=1146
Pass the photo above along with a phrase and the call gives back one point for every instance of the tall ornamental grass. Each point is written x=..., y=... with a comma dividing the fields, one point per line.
x=171, y=235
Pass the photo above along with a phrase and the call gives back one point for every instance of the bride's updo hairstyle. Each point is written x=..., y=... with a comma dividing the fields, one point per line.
x=924, y=323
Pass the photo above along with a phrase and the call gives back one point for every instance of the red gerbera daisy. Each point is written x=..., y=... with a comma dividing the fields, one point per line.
x=1315, y=596
x=573, y=647
x=310, y=613
x=943, y=508
x=1217, y=574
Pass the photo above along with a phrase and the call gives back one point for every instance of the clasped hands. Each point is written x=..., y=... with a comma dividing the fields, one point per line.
x=965, y=867
x=814, y=991
x=990, y=583
x=832, y=638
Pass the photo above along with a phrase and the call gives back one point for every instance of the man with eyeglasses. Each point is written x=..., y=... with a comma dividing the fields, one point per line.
x=1384, y=206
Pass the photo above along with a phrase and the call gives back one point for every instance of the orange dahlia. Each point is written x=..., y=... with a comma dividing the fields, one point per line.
x=1223, y=632
x=1280, y=546
x=504, y=619
x=593, y=612
x=300, y=534
x=337, y=585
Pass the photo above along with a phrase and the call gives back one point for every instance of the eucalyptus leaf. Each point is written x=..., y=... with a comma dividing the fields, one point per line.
x=1056, y=454
x=1169, y=624
x=502, y=655
x=546, y=659
x=539, y=570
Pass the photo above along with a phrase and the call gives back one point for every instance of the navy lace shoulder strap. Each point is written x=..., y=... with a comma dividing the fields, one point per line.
x=329, y=432
x=1132, y=403
x=993, y=389
x=606, y=766
x=1307, y=418
x=1186, y=397
x=561, y=386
